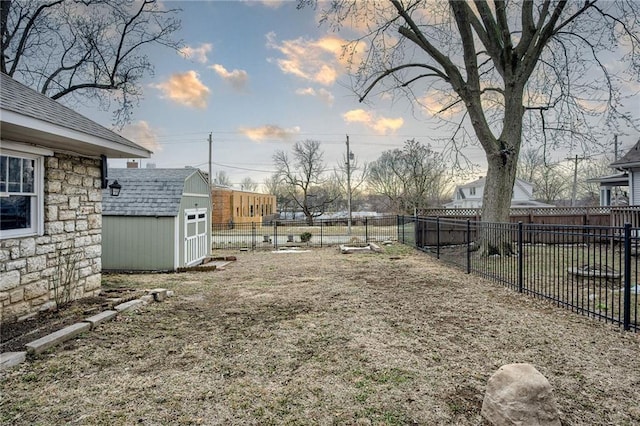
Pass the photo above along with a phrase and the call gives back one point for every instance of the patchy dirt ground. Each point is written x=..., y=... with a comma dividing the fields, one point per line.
x=324, y=338
x=14, y=335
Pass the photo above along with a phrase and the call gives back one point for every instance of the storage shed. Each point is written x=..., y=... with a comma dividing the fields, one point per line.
x=160, y=221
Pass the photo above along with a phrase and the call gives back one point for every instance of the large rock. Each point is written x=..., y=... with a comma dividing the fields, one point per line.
x=517, y=394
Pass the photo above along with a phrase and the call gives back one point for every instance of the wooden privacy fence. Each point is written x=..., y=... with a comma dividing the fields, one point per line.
x=437, y=231
x=575, y=216
x=597, y=216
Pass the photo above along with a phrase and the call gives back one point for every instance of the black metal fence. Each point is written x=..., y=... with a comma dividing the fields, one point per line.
x=591, y=270
x=282, y=234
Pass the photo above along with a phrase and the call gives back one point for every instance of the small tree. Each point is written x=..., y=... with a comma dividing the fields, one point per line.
x=65, y=276
x=550, y=182
x=248, y=184
x=302, y=173
x=275, y=185
x=350, y=176
x=222, y=179
x=411, y=178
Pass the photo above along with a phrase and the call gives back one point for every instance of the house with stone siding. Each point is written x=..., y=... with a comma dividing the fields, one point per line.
x=52, y=172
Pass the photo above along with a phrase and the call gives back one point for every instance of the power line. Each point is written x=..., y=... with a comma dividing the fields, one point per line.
x=243, y=168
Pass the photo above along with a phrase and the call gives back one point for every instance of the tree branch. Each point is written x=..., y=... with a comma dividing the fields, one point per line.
x=436, y=73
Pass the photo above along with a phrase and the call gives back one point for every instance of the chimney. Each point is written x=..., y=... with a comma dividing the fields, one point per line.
x=132, y=164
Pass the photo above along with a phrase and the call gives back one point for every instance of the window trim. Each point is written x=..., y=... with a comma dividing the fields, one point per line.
x=37, y=213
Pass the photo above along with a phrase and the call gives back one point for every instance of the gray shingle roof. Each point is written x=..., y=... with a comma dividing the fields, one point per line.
x=146, y=192
x=18, y=98
x=630, y=158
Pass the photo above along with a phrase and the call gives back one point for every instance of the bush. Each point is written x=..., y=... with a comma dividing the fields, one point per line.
x=305, y=237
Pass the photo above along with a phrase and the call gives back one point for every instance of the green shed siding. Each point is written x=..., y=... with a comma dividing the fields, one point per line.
x=196, y=184
x=138, y=243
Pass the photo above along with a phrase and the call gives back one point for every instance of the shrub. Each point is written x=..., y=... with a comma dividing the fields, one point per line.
x=305, y=237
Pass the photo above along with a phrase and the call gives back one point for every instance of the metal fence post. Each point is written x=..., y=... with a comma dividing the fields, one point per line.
x=366, y=230
x=627, y=277
x=437, y=237
x=253, y=235
x=275, y=234
x=520, y=260
x=468, y=246
x=321, y=233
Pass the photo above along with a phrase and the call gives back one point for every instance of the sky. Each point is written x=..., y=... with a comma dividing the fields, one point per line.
x=258, y=77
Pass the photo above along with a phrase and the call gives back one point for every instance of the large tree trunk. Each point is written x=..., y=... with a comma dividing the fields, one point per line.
x=501, y=175
x=498, y=191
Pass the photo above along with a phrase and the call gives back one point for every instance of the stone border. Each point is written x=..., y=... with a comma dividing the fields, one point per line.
x=38, y=346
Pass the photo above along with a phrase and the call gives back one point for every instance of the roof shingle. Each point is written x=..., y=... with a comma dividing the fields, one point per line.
x=146, y=192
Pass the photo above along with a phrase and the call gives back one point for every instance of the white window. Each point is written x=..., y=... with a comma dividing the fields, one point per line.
x=472, y=190
x=21, y=198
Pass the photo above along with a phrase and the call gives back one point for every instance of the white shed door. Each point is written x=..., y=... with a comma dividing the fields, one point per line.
x=195, y=236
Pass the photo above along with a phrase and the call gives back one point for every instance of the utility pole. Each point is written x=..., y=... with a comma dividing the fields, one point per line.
x=575, y=178
x=210, y=163
x=349, y=156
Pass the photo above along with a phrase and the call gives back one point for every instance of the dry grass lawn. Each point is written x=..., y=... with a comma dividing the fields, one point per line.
x=324, y=338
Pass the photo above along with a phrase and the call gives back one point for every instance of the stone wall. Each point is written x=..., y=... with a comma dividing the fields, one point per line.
x=31, y=267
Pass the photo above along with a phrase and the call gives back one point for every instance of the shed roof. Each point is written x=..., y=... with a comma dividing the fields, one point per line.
x=31, y=117
x=146, y=192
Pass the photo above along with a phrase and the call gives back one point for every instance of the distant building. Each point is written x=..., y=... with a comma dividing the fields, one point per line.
x=469, y=195
x=630, y=165
x=231, y=206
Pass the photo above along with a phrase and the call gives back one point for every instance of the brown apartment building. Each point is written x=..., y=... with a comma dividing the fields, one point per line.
x=232, y=206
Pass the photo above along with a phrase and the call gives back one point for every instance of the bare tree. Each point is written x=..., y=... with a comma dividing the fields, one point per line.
x=274, y=185
x=384, y=179
x=90, y=49
x=589, y=189
x=303, y=176
x=499, y=63
x=222, y=179
x=248, y=184
x=529, y=163
x=350, y=176
x=411, y=178
x=550, y=182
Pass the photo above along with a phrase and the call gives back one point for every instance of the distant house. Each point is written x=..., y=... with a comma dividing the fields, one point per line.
x=629, y=164
x=231, y=206
x=52, y=169
x=470, y=195
x=613, y=189
x=161, y=221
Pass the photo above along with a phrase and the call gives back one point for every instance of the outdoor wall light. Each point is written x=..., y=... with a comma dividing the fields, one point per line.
x=115, y=188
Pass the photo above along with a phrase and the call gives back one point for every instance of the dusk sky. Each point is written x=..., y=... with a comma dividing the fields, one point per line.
x=261, y=76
